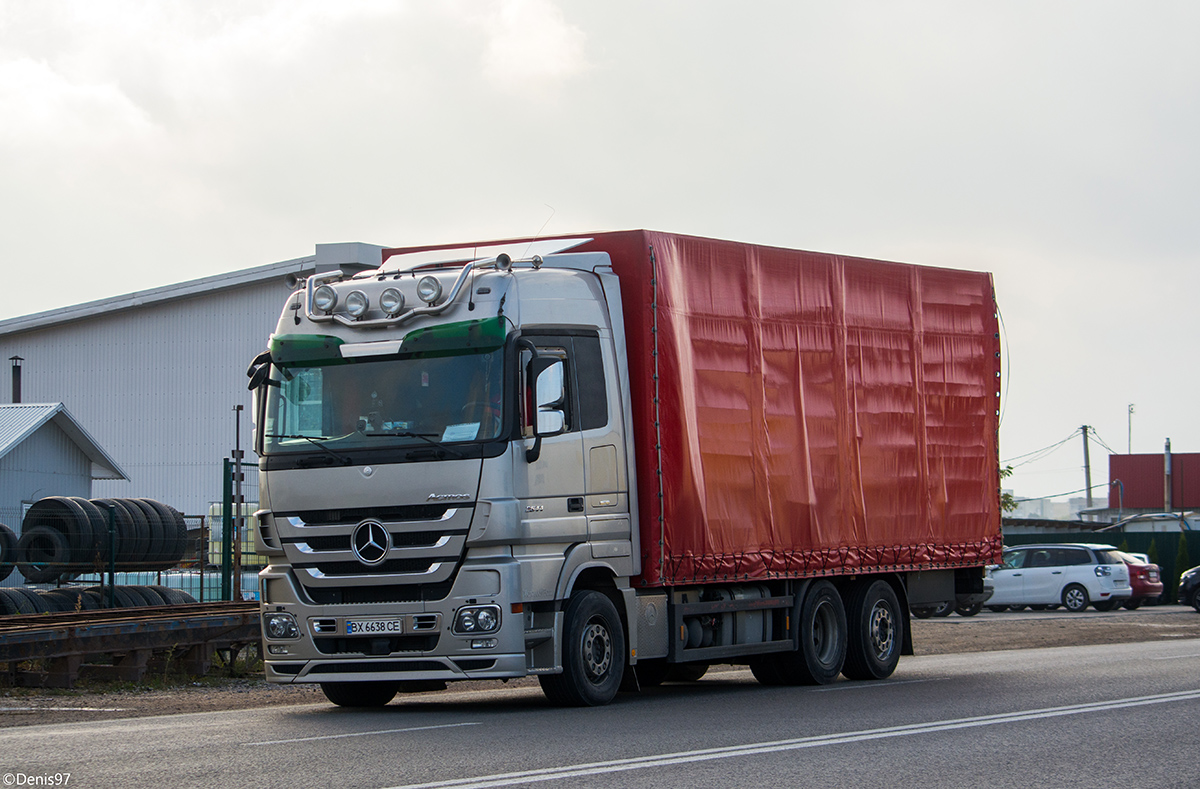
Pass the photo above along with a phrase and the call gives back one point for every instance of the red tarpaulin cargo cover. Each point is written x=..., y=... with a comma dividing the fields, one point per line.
x=818, y=414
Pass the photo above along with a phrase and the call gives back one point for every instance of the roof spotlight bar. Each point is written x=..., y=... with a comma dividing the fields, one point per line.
x=501, y=263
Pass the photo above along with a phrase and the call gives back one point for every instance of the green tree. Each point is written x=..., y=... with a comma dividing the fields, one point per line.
x=1007, y=502
x=1183, y=561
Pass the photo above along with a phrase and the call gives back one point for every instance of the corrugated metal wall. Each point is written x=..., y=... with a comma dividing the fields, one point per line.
x=48, y=463
x=156, y=386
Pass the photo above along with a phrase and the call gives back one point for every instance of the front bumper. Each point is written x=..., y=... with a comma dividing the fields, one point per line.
x=425, y=648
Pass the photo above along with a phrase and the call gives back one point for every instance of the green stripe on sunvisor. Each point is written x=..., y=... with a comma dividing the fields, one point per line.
x=470, y=336
x=309, y=348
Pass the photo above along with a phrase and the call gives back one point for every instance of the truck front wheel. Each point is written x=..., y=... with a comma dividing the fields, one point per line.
x=360, y=694
x=876, y=631
x=593, y=653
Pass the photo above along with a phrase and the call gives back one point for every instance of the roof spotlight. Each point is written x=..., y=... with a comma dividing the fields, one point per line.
x=357, y=303
x=429, y=289
x=325, y=299
x=391, y=301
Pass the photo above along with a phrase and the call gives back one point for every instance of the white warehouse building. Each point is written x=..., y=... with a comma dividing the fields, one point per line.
x=155, y=376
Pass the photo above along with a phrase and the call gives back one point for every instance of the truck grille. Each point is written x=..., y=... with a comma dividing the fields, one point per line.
x=425, y=545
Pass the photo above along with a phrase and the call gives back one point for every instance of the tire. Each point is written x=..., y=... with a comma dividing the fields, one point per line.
x=686, y=672
x=152, y=596
x=969, y=610
x=766, y=670
x=1015, y=608
x=1132, y=604
x=651, y=673
x=174, y=539
x=944, y=609
x=94, y=556
x=141, y=600
x=129, y=547
x=997, y=609
x=593, y=653
x=13, y=603
x=123, y=598
x=44, y=553
x=823, y=639
x=875, y=632
x=921, y=613
x=156, y=554
x=8, y=551
x=35, y=601
x=1075, y=598
x=67, y=518
x=360, y=694
x=71, y=600
x=1104, y=605
x=173, y=596
x=1196, y=599
x=140, y=543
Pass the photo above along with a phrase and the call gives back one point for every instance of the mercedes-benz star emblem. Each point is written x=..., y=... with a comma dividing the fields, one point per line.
x=371, y=542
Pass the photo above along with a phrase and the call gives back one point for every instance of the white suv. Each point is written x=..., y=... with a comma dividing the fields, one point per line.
x=1070, y=575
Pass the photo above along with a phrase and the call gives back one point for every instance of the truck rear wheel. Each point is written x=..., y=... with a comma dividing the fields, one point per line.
x=876, y=631
x=593, y=653
x=360, y=694
x=822, y=652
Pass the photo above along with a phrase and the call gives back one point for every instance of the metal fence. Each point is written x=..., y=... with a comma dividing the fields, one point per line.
x=206, y=571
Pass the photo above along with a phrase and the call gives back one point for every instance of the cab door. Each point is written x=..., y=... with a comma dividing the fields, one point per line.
x=548, y=473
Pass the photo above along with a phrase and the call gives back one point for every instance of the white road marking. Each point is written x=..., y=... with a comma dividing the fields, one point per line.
x=708, y=754
x=363, y=733
x=62, y=709
x=1175, y=657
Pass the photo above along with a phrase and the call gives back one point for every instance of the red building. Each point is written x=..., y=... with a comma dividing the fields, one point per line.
x=1144, y=482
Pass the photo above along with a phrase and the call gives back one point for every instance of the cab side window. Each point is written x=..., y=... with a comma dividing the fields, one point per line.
x=586, y=405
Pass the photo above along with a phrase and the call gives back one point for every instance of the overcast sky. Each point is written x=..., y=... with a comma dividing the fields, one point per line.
x=1053, y=144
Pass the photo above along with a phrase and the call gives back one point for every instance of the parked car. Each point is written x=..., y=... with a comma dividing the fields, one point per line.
x=1189, y=588
x=1145, y=579
x=1071, y=575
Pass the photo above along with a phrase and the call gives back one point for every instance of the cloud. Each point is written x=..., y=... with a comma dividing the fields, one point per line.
x=530, y=48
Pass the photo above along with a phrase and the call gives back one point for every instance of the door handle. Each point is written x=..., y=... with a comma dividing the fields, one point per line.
x=575, y=504
x=1056, y=572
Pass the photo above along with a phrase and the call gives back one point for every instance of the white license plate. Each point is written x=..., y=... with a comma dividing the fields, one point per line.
x=367, y=627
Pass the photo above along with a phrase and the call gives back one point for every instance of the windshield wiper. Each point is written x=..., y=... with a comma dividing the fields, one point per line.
x=426, y=437
x=316, y=442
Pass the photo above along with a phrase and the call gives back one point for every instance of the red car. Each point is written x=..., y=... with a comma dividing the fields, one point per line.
x=1144, y=579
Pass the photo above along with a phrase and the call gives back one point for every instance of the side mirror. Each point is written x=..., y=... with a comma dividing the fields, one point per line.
x=259, y=376
x=550, y=394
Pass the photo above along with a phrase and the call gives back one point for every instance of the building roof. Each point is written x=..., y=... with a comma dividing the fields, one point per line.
x=19, y=421
x=299, y=267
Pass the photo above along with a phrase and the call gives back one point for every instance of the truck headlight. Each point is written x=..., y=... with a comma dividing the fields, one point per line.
x=429, y=289
x=357, y=303
x=477, y=619
x=325, y=298
x=391, y=301
x=280, y=626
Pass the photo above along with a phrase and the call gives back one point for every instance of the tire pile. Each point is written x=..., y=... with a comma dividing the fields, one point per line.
x=18, y=600
x=63, y=536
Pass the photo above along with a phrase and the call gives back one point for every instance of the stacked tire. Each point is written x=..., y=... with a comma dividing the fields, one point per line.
x=18, y=600
x=64, y=535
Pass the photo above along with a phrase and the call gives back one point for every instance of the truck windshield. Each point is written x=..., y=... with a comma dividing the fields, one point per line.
x=372, y=402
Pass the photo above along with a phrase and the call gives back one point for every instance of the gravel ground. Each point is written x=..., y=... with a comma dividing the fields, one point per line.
x=954, y=634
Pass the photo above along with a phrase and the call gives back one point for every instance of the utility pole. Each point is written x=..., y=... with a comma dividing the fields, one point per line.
x=239, y=523
x=1087, y=466
x=1167, y=476
x=1129, y=446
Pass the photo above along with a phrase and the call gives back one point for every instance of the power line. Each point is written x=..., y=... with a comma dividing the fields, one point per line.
x=1039, y=453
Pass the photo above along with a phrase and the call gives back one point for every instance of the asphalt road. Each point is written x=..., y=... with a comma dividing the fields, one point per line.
x=1122, y=715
